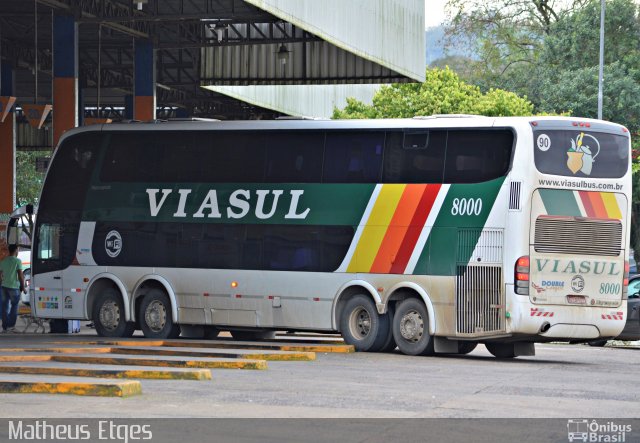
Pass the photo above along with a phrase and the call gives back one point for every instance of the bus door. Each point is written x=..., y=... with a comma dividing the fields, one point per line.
x=46, y=285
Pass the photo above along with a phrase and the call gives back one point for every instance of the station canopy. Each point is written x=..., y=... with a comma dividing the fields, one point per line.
x=207, y=49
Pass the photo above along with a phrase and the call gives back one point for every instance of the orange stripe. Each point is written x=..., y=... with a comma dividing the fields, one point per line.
x=397, y=228
x=598, y=205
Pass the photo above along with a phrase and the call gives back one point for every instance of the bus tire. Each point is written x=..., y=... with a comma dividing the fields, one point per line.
x=390, y=343
x=108, y=315
x=155, y=316
x=362, y=327
x=465, y=347
x=253, y=335
x=501, y=350
x=411, y=328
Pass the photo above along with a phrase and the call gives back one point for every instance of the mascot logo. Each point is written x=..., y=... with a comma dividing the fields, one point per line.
x=581, y=156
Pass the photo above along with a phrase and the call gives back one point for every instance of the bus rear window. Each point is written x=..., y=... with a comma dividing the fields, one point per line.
x=581, y=153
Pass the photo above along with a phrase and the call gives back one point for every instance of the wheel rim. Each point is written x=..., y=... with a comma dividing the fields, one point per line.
x=156, y=316
x=109, y=315
x=412, y=326
x=360, y=323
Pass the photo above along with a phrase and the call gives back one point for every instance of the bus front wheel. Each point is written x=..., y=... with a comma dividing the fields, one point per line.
x=362, y=327
x=155, y=316
x=108, y=315
x=411, y=328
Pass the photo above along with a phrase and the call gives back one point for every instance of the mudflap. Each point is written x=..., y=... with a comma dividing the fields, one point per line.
x=524, y=349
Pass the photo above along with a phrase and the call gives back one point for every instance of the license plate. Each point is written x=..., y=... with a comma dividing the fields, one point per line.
x=576, y=299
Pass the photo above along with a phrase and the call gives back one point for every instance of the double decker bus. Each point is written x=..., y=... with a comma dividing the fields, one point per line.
x=430, y=234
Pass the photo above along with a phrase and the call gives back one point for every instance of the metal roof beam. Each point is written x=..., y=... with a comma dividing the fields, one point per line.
x=93, y=9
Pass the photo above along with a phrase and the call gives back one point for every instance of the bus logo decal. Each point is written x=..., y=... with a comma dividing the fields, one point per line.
x=580, y=155
x=238, y=205
x=113, y=244
x=577, y=283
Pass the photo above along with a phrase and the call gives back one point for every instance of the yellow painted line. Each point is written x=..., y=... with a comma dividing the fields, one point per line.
x=337, y=349
x=263, y=346
x=25, y=358
x=139, y=342
x=209, y=364
x=187, y=374
x=218, y=344
x=116, y=389
x=61, y=350
x=288, y=356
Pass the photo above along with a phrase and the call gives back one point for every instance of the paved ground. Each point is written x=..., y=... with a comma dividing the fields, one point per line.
x=560, y=381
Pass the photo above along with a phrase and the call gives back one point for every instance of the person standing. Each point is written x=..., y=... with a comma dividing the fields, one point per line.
x=11, y=285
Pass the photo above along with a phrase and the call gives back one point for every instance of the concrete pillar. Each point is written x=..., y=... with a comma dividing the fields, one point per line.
x=144, y=102
x=65, y=75
x=7, y=145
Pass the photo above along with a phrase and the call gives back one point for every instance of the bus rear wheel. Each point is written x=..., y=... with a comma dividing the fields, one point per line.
x=411, y=328
x=501, y=350
x=108, y=315
x=362, y=327
x=155, y=316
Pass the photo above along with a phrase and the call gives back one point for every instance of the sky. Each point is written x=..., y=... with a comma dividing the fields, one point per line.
x=434, y=12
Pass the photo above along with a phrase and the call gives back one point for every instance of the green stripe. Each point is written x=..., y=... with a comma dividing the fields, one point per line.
x=559, y=202
x=328, y=204
x=442, y=252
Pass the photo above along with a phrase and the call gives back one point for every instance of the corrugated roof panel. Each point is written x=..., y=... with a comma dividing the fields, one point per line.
x=300, y=100
x=386, y=32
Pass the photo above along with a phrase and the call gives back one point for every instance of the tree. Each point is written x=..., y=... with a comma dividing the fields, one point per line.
x=505, y=35
x=443, y=92
x=28, y=181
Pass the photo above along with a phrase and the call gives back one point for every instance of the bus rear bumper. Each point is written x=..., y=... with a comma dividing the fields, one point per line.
x=568, y=322
x=561, y=330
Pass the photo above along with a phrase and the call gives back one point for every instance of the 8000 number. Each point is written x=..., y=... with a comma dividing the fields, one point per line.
x=466, y=206
x=609, y=288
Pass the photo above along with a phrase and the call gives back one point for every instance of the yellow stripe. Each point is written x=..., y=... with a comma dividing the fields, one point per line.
x=611, y=205
x=376, y=228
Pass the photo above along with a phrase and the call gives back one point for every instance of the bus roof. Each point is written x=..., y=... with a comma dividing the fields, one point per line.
x=436, y=121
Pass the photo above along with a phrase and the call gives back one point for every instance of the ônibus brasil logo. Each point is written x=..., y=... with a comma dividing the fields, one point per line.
x=592, y=431
x=113, y=244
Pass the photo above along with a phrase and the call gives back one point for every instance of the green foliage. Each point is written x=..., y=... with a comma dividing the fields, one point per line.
x=505, y=35
x=573, y=41
x=577, y=90
x=443, y=92
x=28, y=181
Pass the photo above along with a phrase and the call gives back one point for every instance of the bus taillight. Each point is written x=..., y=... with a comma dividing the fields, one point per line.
x=522, y=275
x=625, y=281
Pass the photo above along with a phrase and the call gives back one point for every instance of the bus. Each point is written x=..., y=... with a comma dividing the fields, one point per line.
x=429, y=234
x=20, y=232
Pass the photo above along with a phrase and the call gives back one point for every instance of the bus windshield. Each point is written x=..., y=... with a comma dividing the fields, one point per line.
x=578, y=153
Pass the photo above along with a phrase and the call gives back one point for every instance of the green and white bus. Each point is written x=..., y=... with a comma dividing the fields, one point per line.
x=430, y=234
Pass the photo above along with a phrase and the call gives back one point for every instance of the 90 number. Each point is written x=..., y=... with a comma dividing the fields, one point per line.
x=466, y=206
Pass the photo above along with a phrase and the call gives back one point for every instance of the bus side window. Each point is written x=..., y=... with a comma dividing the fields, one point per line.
x=49, y=242
x=475, y=156
x=294, y=157
x=418, y=161
x=353, y=157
